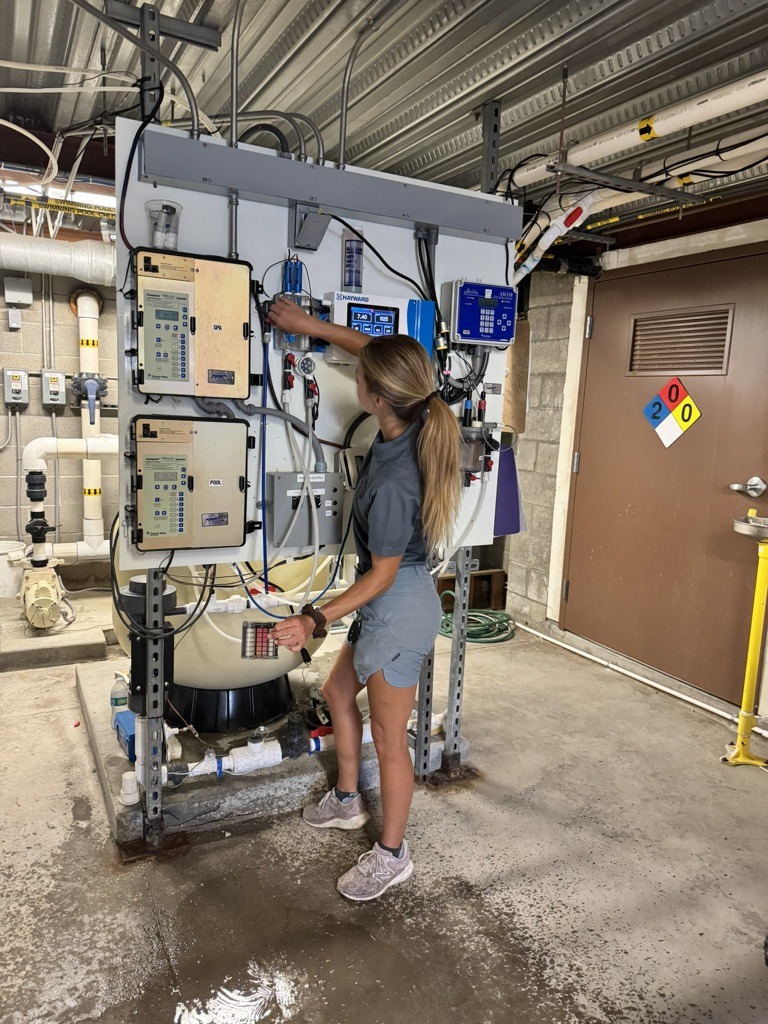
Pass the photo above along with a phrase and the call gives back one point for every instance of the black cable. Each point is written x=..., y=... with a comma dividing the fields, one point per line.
x=419, y=290
x=125, y=616
x=132, y=153
x=360, y=418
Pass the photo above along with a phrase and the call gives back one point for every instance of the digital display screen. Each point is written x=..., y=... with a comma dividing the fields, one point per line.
x=162, y=478
x=374, y=320
x=166, y=314
x=488, y=303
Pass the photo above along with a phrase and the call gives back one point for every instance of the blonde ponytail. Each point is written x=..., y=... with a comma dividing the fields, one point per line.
x=398, y=370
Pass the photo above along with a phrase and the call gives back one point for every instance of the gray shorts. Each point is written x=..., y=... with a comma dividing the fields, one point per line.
x=398, y=628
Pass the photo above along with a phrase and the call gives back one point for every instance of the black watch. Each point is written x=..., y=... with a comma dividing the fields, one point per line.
x=318, y=618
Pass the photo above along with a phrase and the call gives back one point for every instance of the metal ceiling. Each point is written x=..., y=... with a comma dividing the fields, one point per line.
x=422, y=76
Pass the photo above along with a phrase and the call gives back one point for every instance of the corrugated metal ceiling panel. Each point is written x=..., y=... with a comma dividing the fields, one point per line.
x=422, y=76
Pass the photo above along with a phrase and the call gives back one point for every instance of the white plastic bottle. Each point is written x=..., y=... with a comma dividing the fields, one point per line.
x=118, y=697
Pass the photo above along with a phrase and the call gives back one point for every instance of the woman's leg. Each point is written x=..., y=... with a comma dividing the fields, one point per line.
x=340, y=690
x=390, y=710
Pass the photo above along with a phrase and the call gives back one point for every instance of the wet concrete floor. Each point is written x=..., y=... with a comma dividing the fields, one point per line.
x=606, y=869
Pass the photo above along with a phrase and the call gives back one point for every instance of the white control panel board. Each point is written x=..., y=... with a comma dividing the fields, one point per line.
x=186, y=495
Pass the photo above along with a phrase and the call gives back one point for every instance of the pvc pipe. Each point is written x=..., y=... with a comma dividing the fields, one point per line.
x=92, y=262
x=41, y=449
x=77, y=551
x=638, y=678
x=87, y=305
x=727, y=100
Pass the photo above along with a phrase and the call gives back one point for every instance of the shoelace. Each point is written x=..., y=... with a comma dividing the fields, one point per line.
x=372, y=862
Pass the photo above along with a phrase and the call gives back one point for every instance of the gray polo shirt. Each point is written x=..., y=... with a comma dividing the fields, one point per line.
x=386, y=513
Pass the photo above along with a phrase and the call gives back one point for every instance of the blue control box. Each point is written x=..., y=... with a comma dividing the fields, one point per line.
x=482, y=314
x=125, y=728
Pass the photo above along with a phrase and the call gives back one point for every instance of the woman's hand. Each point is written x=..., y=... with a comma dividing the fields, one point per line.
x=291, y=318
x=294, y=632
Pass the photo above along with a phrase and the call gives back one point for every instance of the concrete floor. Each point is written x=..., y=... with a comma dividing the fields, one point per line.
x=606, y=868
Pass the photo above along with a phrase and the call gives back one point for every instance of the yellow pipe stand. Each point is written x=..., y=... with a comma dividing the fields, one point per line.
x=740, y=753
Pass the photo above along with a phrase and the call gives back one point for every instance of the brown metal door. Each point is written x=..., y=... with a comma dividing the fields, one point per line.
x=653, y=566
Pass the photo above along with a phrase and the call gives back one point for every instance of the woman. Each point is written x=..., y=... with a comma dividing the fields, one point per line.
x=405, y=504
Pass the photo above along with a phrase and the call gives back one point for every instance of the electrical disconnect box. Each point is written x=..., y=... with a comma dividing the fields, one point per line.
x=186, y=494
x=286, y=495
x=54, y=389
x=481, y=314
x=16, y=388
x=193, y=323
x=379, y=316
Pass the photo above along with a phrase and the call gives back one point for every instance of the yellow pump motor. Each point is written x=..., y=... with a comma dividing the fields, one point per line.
x=41, y=597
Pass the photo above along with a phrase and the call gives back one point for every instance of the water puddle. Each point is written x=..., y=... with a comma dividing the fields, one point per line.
x=267, y=993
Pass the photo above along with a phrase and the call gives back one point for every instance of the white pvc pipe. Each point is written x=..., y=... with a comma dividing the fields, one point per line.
x=93, y=262
x=38, y=452
x=727, y=100
x=88, y=330
x=638, y=678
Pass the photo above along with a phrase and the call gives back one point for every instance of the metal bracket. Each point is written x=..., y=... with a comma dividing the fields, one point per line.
x=593, y=177
x=306, y=226
x=172, y=28
x=489, y=170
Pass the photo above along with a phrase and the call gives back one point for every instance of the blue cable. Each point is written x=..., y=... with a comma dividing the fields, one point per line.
x=338, y=560
x=252, y=599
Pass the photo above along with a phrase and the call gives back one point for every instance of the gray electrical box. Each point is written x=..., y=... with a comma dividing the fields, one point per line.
x=18, y=291
x=54, y=389
x=285, y=493
x=16, y=388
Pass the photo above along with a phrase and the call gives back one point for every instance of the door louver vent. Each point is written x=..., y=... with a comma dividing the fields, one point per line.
x=683, y=341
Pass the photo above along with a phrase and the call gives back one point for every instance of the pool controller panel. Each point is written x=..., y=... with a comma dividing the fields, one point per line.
x=186, y=495
x=481, y=314
x=193, y=325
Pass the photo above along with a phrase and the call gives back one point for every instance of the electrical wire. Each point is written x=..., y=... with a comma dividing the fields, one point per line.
x=53, y=167
x=129, y=163
x=419, y=290
x=483, y=625
x=56, y=69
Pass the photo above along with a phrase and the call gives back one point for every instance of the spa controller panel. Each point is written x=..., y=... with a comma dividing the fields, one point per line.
x=192, y=317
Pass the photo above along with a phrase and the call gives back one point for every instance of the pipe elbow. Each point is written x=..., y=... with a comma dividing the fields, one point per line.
x=36, y=454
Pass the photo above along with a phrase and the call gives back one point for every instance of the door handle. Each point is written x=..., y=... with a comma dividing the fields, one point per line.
x=754, y=487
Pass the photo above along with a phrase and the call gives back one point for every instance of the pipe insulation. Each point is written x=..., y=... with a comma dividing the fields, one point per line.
x=92, y=262
x=691, y=112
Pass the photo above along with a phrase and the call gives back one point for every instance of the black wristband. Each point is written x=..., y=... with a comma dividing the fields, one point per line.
x=318, y=618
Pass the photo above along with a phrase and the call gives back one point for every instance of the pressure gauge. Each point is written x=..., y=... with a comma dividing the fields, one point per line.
x=306, y=366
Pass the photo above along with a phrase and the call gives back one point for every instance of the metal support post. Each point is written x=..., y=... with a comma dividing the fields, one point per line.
x=149, y=33
x=489, y=171
x=155, y=701
x=424, y=719
x=451, y=755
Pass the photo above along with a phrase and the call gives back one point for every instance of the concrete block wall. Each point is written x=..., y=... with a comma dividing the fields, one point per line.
x=526, y=555
x=24, y=350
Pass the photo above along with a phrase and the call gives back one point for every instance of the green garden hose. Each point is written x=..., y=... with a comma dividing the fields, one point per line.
x=483, y=625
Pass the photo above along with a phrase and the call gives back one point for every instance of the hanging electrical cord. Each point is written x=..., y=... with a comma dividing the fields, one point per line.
x=129, y=163
x=419, y=290
x=483, y=625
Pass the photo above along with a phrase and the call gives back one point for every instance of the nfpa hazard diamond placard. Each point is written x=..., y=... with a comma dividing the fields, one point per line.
x=671, y=412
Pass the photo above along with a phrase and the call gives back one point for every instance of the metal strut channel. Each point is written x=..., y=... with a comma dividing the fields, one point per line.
x=154, y=825
x=451, y=761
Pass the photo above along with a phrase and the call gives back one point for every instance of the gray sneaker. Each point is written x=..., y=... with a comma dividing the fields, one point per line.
x=374, y=873
x=334, y=813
